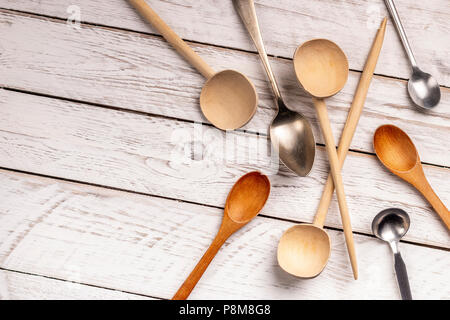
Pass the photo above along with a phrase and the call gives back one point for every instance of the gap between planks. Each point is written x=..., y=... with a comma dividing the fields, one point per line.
x=111, y=28
x=430, y=246
x=80, y=283
x=155, y=115
x=140, y=277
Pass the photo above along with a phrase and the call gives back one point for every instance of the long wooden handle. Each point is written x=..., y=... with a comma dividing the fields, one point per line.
x=325, y=126
x=186, y=288
x=194, y=59
x=429, y=194
x=352, y=120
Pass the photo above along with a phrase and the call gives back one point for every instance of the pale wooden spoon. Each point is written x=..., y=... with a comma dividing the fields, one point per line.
x=228, y=98
x=244, y=202
x=295, y=250
x=321, y=68
x=397, y=152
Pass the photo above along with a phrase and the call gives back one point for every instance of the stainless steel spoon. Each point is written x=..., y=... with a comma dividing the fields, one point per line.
x=422, y=87
x=391, y=225
x=290, y=132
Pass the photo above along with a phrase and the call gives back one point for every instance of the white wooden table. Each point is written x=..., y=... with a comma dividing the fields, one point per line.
x=112, y=183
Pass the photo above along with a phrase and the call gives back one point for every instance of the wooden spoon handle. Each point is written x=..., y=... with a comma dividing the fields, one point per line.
x=330, y=145
x=186, y=288
x=429, y=194
x=352, y=120
x=194, y=59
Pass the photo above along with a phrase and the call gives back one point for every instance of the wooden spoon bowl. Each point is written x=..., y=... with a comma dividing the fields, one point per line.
x=304, y=250
x=247, y=197
x=321, y=67
x=228, y=100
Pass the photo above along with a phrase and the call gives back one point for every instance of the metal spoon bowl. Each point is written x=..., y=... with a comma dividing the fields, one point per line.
x=424, y=89
x=292, y=136
x=390, y=224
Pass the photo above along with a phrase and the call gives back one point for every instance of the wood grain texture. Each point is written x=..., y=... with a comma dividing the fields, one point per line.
x=127, y=241
x=144, y=73
x=15, y=285
x=55, y=233
x=187, y=161
x=284, y=25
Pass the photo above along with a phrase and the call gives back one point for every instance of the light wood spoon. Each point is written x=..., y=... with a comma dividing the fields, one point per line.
x=397, y=152
x=321, y=68
x=244, y=202
x=228, y=98
x=295, y=253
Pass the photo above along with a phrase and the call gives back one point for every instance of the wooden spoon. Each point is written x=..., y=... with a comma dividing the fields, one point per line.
x=321, y=68
x=228, y=98
x=397, y=152
x=304, y=249
x=244, y=202
x=295, y=250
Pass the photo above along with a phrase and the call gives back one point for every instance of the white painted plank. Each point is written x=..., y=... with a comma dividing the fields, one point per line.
x=196, y=163
x=284, y=25
x=143, y=73
x=149, y=245
x=19, y=286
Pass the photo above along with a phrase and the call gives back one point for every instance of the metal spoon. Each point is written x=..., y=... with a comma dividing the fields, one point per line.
x=391, y=225
x=290, y=132
x=422, y=87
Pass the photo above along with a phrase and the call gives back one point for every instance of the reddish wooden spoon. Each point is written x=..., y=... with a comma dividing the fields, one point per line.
x=397, y=153
x=244, y=202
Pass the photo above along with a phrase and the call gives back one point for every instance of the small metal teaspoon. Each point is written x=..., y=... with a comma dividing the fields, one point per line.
x=391, y=225
x=422, y=87
x=290, y=131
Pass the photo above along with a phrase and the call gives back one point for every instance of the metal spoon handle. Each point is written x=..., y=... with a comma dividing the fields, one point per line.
x=398, y=24
x=246, y=10
x=402, y=277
